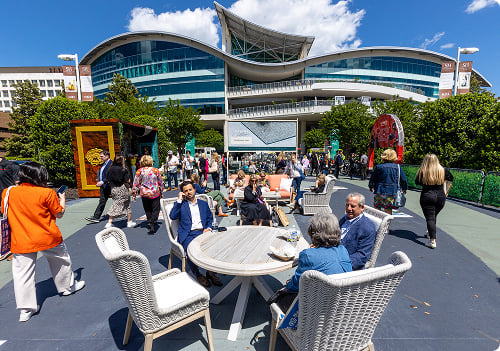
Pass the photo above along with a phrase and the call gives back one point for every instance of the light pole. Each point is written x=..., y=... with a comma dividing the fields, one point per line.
x=461, y=51
x=67, y=57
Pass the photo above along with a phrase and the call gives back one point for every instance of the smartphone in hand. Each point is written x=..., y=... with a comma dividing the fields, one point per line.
x=62, y=189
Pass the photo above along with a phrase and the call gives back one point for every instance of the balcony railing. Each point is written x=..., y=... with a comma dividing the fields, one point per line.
x=306, y=84
x=291, y=108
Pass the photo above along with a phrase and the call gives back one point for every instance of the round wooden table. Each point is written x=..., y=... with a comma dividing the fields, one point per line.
x=244, y=252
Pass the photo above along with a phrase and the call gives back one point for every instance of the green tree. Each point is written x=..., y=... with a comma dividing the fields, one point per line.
x=314, y=138
x=352, y=123
x=179, y=123
x=210, y=138
x=27, y=98
x=51, y=134
x=463, y=131
x=121, y=89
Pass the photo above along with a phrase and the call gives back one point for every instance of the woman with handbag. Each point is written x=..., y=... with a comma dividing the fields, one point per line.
x=432, y=177
x=213, y=169
x=119, y=180
x=387, y=180
x=294, y=170
x=32, y=209
x=325, y=255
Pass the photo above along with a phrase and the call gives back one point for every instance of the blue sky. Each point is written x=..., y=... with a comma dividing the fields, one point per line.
x=34, y=32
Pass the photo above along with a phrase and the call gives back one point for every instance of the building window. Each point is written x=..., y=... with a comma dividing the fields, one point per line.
x=6, y=104
x=4, y=83
x=14, y=104
x=44, y=93
x=50, y=83
x=57, y=83
x=11, y=83
x=34, y=81
x=51, y=93
x=19, y=81
x=5, y=93
x=1, y=103
x=42, y=83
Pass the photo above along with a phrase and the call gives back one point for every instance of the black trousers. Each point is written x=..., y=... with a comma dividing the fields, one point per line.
x=152, y=209
x=104, y=193
x=432, y=202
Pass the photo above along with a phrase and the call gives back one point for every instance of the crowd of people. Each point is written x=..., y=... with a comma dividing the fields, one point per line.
x=336, y=245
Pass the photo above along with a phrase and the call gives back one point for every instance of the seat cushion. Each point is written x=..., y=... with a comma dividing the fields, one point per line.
x=275, y=180
x=112, y=245
x=174, y=224
x=285, y=194
x=285, y=184
x=375, y=220
x=178, y=290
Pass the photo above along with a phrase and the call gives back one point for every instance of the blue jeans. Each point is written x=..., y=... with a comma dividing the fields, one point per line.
x=170, y=176
x=215, y=178
x=224, y=176
x=296, y=184
x=190, y=265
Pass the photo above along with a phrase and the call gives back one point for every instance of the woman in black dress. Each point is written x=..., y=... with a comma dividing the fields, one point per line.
x=253, y=206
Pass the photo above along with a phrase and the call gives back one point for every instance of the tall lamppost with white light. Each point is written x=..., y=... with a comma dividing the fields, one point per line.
x=68, y=57
x=461, y=51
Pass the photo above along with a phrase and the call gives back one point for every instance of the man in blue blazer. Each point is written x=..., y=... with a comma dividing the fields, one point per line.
x=358, y=232
x=104, y=187
x=195, y=218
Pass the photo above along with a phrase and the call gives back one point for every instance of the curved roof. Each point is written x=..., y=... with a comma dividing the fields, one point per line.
x=258, y=71
x=266, y=39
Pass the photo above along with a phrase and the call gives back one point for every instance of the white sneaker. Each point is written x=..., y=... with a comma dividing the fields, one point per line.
x=431, y=245
x=108, y=225
x=25, y=314
x=79, y=284
x=131, y=224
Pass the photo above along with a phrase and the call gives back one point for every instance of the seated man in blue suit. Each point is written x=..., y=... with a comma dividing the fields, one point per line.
x=358, y=232
x=195, y=218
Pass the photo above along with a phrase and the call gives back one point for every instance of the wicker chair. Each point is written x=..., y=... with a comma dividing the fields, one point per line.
x=341, y=311
x=381, y=220
x=157, y=304
x=313, y=203
x=172, y=226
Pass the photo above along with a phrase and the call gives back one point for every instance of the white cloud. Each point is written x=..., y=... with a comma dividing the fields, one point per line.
x=477, y=5
x=430, y=42
x=447, y=46
x=198, y=23
x=333, y=25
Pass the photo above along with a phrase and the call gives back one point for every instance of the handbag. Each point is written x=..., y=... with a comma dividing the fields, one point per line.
x=400, y=199
x=213, y=167
x=5, y=227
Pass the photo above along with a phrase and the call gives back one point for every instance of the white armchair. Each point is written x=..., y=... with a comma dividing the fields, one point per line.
x=381, y=220
x=340, y=311
x=157, y=304
x=313, y=203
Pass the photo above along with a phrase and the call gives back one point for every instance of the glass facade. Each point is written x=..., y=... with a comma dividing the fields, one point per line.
x=406, y=72
x=164, y=70
x=252, y=52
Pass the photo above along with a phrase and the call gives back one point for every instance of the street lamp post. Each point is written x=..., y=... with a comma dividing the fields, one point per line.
x=66, y=57
x=461, y=51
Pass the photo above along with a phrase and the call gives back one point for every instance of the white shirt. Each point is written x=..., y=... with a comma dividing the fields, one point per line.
x=188, y=163
x=172, y=163
x=195, y=215
x=364, y=159
x=346, y=226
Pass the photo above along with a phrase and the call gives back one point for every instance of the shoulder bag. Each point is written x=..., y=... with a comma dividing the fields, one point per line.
x=5, y=228
x=213, y=167
x=400, y=198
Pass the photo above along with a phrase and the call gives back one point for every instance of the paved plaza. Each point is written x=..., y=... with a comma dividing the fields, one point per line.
x=449, y=300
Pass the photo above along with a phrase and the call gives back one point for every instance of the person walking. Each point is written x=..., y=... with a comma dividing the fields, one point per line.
x=149, y=185
x=305, y=164
x=339, y=161
x=432, y=177
x=384, y=182
x=364, y=165
x=8, y=177
x=203, y=167
x=325, y=165
x=294, y=170
x=172, y=163
x=214, y=168
x=104, y=188
x=280, y=163
x=119, y=180
x=32, y=209
x=188, y=165
x=180, y=166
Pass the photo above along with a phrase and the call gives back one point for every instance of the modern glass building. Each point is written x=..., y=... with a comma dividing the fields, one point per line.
x=262, y=74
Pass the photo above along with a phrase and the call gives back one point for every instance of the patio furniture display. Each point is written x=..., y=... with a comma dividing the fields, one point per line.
x=267, y=195
x=245, y=253
x=381, y=220
x=314, y=203
x=274, y=182
x=172, y=227
x=340, y=311
x=157, y=304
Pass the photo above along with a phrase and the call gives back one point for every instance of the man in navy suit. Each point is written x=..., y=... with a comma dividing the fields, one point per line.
x=358, y=232
x=195, y=218
x=104, y=187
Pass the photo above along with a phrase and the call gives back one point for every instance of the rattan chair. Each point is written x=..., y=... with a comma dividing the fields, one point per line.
x=340, y=311
x=313, y=203
x=381, y=220
x=157, y=304
x=172, y=226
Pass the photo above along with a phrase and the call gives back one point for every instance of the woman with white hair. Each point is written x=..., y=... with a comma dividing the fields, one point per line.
x=432, y=176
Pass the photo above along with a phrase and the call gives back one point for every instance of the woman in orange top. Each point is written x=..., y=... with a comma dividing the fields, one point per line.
x=32, y=211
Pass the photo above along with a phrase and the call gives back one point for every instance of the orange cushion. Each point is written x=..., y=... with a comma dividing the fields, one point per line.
x=275, y=180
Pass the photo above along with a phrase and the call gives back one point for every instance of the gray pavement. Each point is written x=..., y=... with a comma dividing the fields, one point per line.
x=449, y=300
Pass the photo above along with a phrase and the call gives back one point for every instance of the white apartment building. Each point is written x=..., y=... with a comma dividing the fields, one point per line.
x=49, y=80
